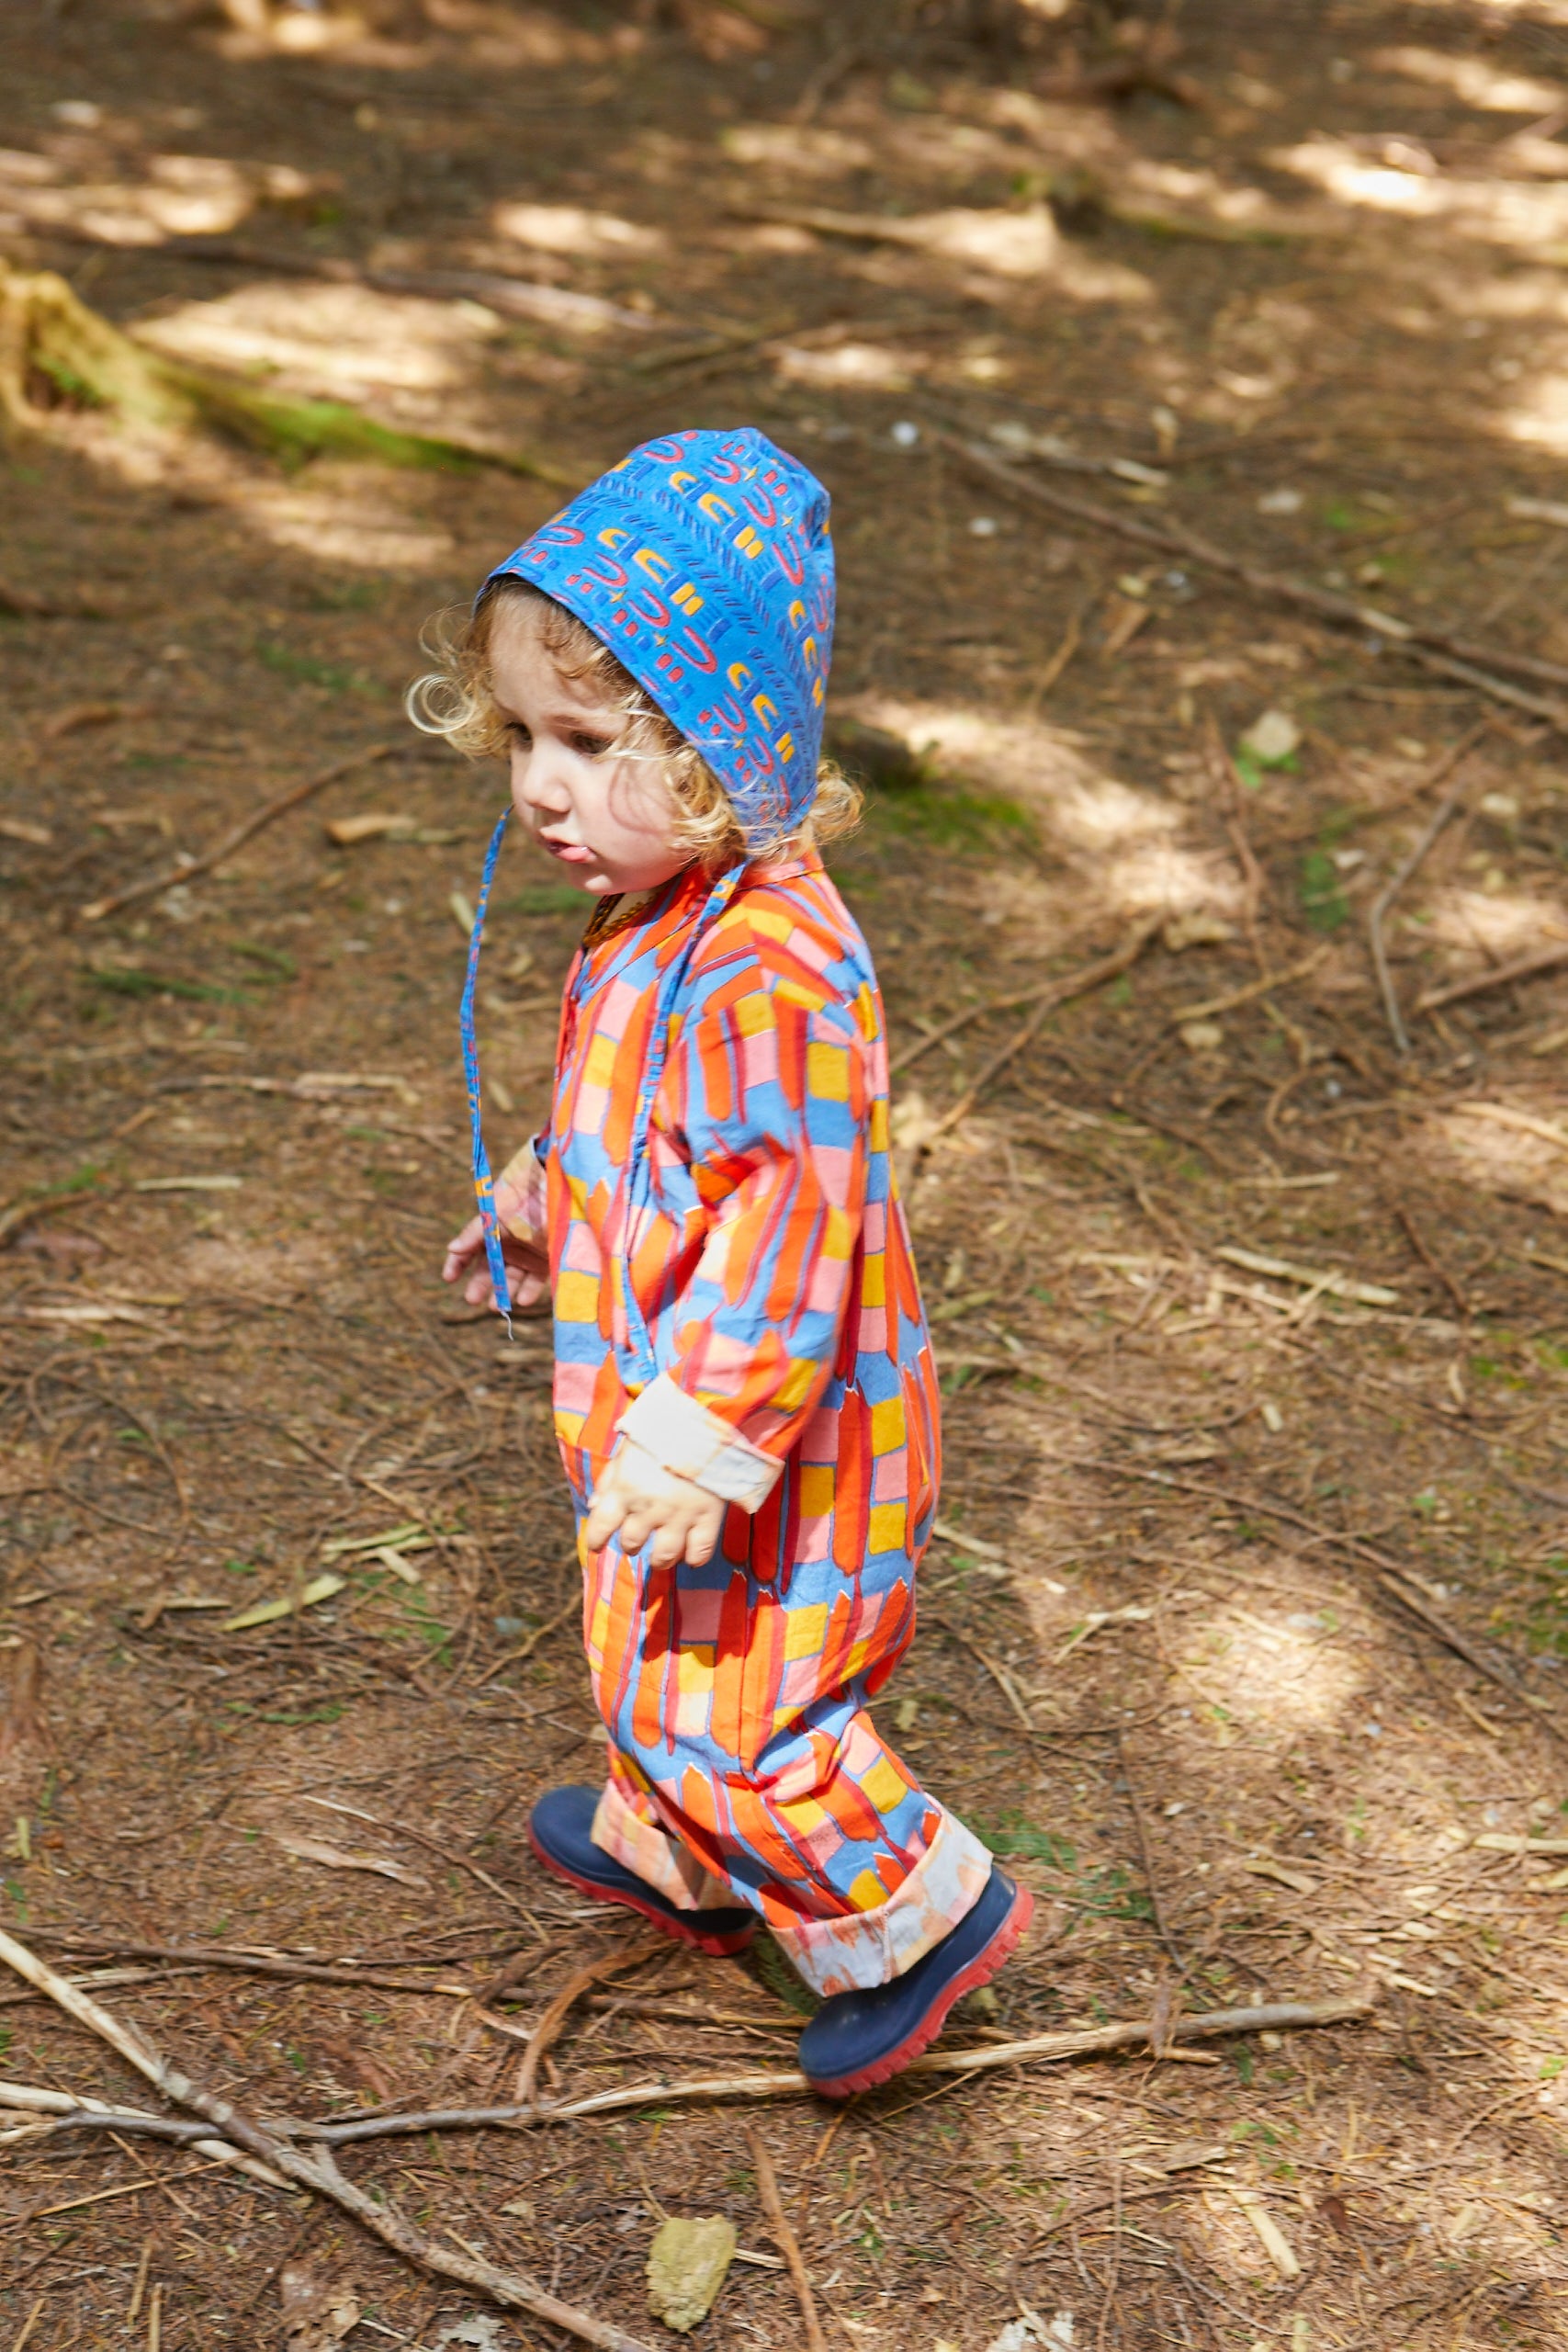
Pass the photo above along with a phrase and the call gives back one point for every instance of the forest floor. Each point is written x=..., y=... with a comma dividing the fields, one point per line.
x=1244, y=1634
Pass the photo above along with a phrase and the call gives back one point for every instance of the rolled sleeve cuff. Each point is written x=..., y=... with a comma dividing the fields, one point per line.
x=684, y=1437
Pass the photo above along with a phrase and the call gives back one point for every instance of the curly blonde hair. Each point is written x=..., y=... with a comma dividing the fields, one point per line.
x=456, y=699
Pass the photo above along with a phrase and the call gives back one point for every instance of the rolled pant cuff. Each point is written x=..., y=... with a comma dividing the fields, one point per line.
x=860, y=1949
x=670, y=1868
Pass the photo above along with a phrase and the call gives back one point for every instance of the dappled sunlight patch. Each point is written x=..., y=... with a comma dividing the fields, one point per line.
x=1274, y=1669
x=1479, y=84
x=176, y=195
x=331, y=340
x=1125, y=837
x=1504, y=1148
x=805, y=151
x=1536, y=410
x=342, y=515
x=1501, y=923
x=1499, y=212
x=850, y=367
x=575, y=229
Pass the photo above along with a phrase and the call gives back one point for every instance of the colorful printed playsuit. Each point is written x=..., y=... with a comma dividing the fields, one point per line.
x=734, y=1287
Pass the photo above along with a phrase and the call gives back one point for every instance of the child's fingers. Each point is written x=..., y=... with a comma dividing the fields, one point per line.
x=606, y=1517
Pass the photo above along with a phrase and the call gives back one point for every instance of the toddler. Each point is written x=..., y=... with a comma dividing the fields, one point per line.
x=745, y=1397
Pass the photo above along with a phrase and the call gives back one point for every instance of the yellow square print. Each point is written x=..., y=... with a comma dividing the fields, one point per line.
x=882, y=1786
x=806, y=1630
x=887, y=1425
x=827, y=1072
x=868, y=1894
x=577, y=1298
x=817, y=1480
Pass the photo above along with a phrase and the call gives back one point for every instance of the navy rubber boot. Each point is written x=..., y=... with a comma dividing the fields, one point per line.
x=857, y=2040
x=560, y=1831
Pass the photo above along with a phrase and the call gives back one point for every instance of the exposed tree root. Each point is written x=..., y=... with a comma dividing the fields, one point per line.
x=56, y=353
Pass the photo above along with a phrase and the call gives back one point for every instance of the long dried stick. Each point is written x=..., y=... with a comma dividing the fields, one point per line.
x=238, y=835
x=257, y=1965
x=1044, y=2049
x=1547, y=959
x=1162, y=1925
x=317, y=2172
x=554, y=2016
x=1391, y=1576
x=1049, y=994
x=58, y=2110
x=1451, y=657
x=1403, y=874
x=785, y=2238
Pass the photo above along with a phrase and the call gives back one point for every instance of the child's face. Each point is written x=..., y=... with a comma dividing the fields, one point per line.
x=607, y=824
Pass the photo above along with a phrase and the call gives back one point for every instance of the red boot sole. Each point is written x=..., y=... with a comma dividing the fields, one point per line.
x=980, y=1971
x=718, y=1947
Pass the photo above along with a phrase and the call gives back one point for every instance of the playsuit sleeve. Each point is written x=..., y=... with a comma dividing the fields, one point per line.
x=770, y=1096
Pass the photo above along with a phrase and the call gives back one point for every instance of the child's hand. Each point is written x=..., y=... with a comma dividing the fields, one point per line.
x=525, y=1260
x=637, y=1498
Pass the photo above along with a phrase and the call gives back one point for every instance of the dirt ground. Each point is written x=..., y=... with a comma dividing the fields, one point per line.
x=1244, y=1634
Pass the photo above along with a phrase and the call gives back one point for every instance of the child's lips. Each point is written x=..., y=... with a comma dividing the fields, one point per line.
x=568, y=852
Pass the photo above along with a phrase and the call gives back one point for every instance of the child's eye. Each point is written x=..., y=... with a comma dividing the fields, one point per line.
x=518, y=734
x=589, y=745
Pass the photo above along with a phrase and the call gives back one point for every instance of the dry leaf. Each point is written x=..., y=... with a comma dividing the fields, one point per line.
x=19, y=1724
x=1299, y=1881
x=687, y=2265
x=1196, y=929
x=373, y=826
x=18, y=828
x=268, y=1613
x=339, y=1858
x=316, y=2316
x=1271, y=2236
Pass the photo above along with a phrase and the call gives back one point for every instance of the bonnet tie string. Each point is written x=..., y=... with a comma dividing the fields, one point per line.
x=484, y=1184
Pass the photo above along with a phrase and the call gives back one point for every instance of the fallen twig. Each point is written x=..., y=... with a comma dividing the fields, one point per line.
x=238, y=835
x=993, y=1665
x=1109, y=968
x=1434, y=649
x=1048, y=993
x=1547, y=959
x=554, y=2016
x=26, y=605
x=1390, y=1574
x=317, y=2171
x=1432, y=1262
x=246, y=1963
x=1151, y=1883
x=63, y=2110
x=19, y=1213
x=1047, y=2049
x=785, y=2238
x=1263, y=987
x=1403, y=874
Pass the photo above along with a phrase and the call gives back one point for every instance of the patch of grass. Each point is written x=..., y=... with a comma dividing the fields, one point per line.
x=951, y=819
x=271, y=962
x=348, y=596
x=139, y=983
x=1323, y=902
x=308, y=671
x=547, y=898
x=1014, y=1835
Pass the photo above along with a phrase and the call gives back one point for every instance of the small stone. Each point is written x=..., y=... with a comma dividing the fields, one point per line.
x=1271, y=737
x=687, y=2265
x=1202, y=1036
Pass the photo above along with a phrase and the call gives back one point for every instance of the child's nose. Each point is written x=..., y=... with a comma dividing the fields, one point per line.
x=536, y=782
